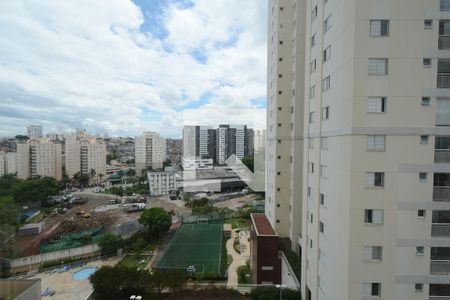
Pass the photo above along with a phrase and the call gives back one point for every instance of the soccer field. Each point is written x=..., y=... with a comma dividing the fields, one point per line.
x=198, y=245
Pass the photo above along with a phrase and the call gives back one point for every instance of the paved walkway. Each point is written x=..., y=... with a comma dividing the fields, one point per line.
x=238, y=260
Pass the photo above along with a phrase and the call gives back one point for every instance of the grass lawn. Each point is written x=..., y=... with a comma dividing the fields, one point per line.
x=238, y=223
x=135, y=261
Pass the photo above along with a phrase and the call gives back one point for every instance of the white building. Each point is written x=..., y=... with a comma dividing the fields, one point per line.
x=260, y=140
x=365, y=84
x=161, y=183
x=192, y=163
x=84, y=153
x=35, y=131
x=8, y=164
x=39, y=157
x=150, y=151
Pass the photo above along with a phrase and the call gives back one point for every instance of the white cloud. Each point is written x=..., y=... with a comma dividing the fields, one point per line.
x=86, y=64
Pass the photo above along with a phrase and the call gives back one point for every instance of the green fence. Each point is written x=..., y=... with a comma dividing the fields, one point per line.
x=72, y=240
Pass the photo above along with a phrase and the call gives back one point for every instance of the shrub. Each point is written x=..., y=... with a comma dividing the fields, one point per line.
x=269, y=292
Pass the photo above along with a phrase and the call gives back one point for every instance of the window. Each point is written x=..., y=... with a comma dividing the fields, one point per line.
x=372, y=289
x=427, y=62
x=326, y=84
x=372, y=253
x=324, y=143
x=374, y=179
x=327, y=54
x=313, y=40
x=376, y=142
x=280, y=92
x=325, y=113
x=420, y=250
x=311, y=117
x=309, y=191
x=312, y=92
x=428, y=24
x=311, y=218
x=424, y=139
x=426, y=101
x=418, y=287
x=310, y=243
x=323, y=171
x=421, y=213
x=379, y=27
x=311, y=143
x=267, y=268
x=280, y=59
x=378, y=66
x=327, y=23
x=322, y=257
x=281, y=42
x=423, y=176
x=373, y=216
x=314, y=13
x=311, y=167
x=280, y=75
x=313, y=66
x=321, y=227
x=322, y=199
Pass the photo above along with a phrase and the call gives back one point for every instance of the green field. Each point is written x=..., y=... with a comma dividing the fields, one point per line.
x=135, y=261
x=198, y=245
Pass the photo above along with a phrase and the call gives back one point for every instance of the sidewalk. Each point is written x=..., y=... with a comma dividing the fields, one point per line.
x=238, y=260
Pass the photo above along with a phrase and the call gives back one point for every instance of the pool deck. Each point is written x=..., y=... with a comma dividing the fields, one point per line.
x=66, y=287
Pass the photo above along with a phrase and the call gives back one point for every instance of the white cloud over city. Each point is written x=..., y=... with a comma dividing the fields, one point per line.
x=117, y=67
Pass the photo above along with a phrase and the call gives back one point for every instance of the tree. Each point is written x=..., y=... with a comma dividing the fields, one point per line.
x=9, y=212
x=157, y=221
x=249, y=163
x=167, y=163
x=110, y=243
x=21, y=137
x=131, y=172
x=82, y=179
x=269, y=292
x=101, y=176
x=7, y=182
x=34, y=190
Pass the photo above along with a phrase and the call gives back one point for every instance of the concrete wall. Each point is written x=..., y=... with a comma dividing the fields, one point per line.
x=21, y=289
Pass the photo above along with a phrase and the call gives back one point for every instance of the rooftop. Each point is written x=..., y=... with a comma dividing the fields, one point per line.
x=262, y=225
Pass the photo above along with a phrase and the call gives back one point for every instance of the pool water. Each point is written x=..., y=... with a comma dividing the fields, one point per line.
x=84, y=273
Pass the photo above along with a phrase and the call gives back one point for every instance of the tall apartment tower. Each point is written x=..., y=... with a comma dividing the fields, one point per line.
x=84, y=153
x=150, y=151
x=39, y=157
x=370, y=135
x=35, y=131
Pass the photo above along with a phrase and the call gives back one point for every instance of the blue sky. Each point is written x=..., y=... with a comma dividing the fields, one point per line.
x=121, y=67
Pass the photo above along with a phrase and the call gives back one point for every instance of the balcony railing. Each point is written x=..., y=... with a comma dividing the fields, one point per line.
x=445, y=5
x=439, y=298
x=441, y=193
x=438, y=267
x=440, y=230
x=443, y=81
x=442, y=156
x=444, y=42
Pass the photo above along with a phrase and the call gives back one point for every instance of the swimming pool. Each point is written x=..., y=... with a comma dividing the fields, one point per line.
x=84, y=273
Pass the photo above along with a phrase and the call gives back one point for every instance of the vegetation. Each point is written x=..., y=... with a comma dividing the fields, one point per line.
x=139, y=188
x=249, y=162
x=157, y=222
x=110, y=243
x=135, y=261
x=244, y=275
x=30, y=190
x=294, y=261
x=81, y=179
x=268, y=292
x=238, y=223
x=237, y=245
x=217, y=293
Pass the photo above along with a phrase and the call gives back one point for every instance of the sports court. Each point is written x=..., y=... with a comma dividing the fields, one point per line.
x=197, y=245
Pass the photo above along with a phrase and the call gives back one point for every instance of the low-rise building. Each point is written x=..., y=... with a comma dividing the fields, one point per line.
x=192, y=163
x=161, y=183
x=8, y=163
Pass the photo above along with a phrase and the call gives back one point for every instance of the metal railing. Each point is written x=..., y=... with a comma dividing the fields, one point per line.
x=442, y=156
x=443, y=80
x=441, y=193
x=438, y=267
x=440, y=230
x=444, y=42
x=445, y=5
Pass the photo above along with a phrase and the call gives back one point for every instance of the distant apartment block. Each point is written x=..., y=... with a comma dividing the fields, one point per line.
x=39, y=157
x=150, y=151
x=84, y=153
x=8, y=163
x=174, y=150
x=260, y=140
x=35, y=131
x=192, y=163
x=161, y=183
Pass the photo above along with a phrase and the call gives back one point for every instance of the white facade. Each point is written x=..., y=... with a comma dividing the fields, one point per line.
x=260, y=140
x=192, y=163
x=8, y=163
x=35, y=131
x=39, y=157
x=150, y=151
x=84, y=153
x=369, y=208
x=161, y=183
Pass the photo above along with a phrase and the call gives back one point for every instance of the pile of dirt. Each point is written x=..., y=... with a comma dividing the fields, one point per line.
x=83, y=222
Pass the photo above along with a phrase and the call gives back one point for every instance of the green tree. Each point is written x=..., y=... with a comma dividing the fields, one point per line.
x=268, y=292
x=157, y=222
x=116, y=190
x=110, y=243
x=7, y=182
x=131, y=172
x=9, y=212
x=82, y=179
x=249, y=163
x=167, y=163
x=21, y=137
x=34, y=190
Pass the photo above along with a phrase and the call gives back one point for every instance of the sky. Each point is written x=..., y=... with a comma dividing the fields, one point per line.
x=120, y=67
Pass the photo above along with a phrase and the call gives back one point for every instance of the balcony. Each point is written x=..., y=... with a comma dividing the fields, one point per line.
x=440, y=267
x=442, y=156
x=445, y=5
x=441, y=193
x=444, y=42
x=443, y=80
x=440, y=230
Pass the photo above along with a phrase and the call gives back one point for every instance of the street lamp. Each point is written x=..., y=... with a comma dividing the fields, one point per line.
x=280, y=286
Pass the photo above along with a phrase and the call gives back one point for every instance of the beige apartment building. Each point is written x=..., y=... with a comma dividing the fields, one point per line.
x=84, y=153
x=358, y=160
x=150, y=151
x=39, y=157
x=8, y=163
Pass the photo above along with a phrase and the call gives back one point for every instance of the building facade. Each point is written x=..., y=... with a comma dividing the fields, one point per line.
x=150, y=151
x=359, y=102
x=35, y=131
x=8, y=163
x=161, y=183
x=84, y=153
x=39, y=157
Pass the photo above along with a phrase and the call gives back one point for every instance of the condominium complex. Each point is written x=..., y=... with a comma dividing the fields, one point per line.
x=84, y=153
x=260, y=140
x=358, y=164
x=39, y=157
x=150, y=151
x=8, y=164
x=161, y=183
x=35, y=131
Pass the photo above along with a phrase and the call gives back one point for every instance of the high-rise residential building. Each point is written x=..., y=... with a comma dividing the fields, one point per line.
x=84, y=153
x=233, y=139
x=8, y=163
x=35, y=131
x=358, y=176
x=259, y=138
x=39, y=157
x=150, y=151
x=196, y=141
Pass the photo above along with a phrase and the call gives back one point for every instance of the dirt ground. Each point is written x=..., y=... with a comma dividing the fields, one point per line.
x=237, y=202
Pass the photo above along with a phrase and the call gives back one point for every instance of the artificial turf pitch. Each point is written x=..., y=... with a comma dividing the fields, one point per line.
x=198, y=245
